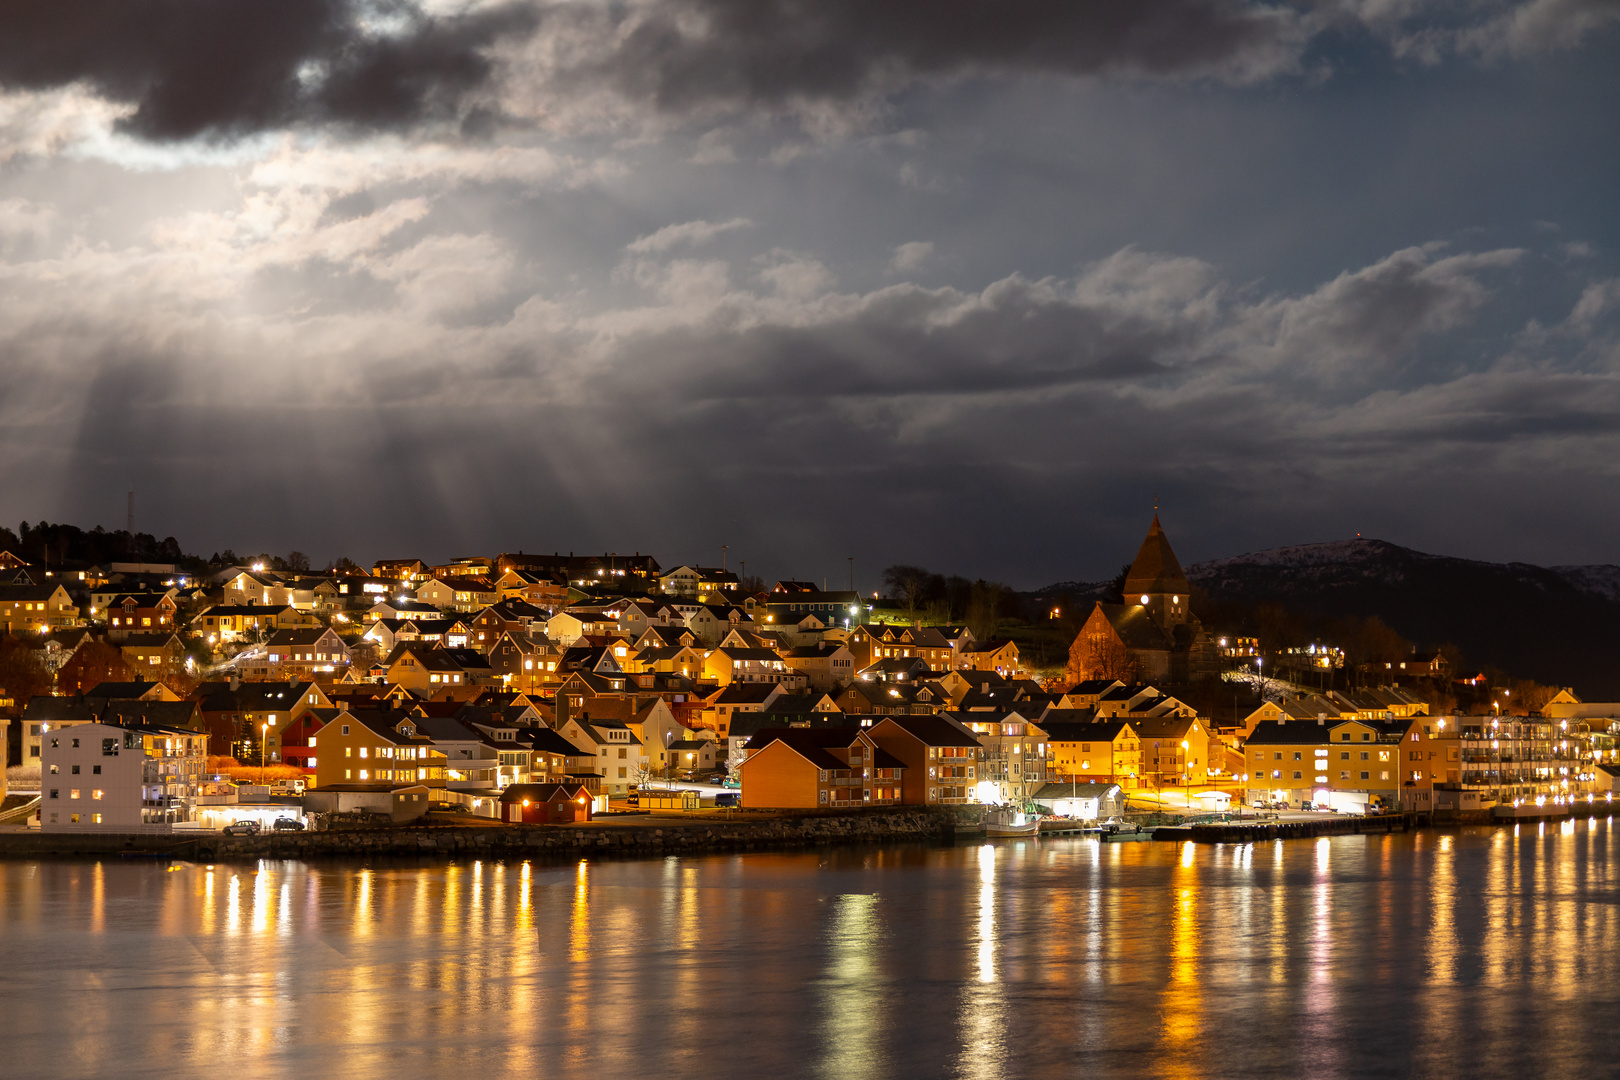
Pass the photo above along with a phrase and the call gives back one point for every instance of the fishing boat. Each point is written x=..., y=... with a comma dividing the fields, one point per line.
x=1009, y=821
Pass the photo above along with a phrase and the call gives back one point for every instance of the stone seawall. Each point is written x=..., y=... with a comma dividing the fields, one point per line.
x=502, y=841
x=1233, y=833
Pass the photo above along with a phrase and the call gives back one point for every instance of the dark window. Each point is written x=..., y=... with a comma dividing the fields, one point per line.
x=75, y=770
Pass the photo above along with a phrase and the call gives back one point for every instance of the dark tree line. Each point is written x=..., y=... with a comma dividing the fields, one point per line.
x=56, y=545
x=985, y=606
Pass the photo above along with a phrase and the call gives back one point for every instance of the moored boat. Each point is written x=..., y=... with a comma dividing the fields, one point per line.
x=1008, y=821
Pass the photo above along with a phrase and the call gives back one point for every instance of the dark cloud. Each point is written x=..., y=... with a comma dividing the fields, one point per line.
x=683, y=54
x=231, y=67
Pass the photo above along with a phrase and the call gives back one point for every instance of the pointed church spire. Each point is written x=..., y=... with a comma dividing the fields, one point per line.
x=1156, y=569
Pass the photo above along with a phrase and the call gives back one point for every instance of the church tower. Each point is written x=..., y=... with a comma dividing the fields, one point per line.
x=1156, y=582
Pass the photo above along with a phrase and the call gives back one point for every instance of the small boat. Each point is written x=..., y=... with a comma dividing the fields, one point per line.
x=1007, y=821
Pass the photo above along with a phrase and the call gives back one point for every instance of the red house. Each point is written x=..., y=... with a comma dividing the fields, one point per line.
x=546, y=804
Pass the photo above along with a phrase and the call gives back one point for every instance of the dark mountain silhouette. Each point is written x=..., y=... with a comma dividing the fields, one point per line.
x=1558, y=625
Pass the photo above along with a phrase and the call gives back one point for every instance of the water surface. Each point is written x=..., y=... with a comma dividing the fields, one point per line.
x=1471, y=953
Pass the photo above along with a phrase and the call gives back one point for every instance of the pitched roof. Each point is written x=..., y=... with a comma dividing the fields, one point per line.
x=1093, y=731
x=745, y=693
x=1074, y=791
x=1156, y=569
x=1298, y=733
x=546, y=740
x=303, y=636
x=1134, y=626
x=169, y=714
x=933, y=730
x=809, y=743
x=543, y=792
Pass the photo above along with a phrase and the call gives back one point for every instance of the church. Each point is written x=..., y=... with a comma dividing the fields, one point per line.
x=1153, y=636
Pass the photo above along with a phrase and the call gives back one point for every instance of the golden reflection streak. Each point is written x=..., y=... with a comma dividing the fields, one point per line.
x=1321, y=1000
x=1503, y=922
x=98, y=900
x=983, y=1020
x=581, y=990
x=233, y=907
x=261, y=901
x=1432, y=1057
x=1279, y=916
x=363, y=917
x=452, y=902
x=987, y=913
x=1565, y=918
x=1182, y=999
x=210, y=913
x=525, y=912
x=852, y=1024
x=579, y=928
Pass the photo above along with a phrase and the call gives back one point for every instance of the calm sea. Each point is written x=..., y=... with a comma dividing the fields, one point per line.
x=1469, y=953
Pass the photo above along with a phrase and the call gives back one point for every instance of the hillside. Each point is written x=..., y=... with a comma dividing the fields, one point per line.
x=1557, y=625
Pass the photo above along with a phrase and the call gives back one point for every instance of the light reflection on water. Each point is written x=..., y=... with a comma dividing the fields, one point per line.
x=1475, y=952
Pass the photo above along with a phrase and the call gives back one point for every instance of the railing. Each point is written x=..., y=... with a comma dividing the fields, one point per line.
x=18, y=813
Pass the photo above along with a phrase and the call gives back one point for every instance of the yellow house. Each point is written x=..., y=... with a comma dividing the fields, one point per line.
x=1343, y=764
x=1101, y=751
x=414, y=665
x=36, y=608
x=374, y=747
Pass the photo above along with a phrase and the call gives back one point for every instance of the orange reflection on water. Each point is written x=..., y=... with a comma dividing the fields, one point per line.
x=1181, y=1001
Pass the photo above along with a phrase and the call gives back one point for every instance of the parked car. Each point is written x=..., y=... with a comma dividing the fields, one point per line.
x=728, y=798
x=242, y=828
x=288, y=824
x=634, y=798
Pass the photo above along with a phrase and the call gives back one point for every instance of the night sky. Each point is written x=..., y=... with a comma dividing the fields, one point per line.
x=965, y=285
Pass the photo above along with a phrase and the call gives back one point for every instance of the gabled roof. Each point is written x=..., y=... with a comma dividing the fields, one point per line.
x=380, y=724
x=736, y=653
x=1074, y=791
x=544, y=793
x=1293, y=733
x=1094, y=731
x=302, y=636
x=27, y=592
x=120, y=690
x=429, y=657
x=546, y=740
x=1094, y=687
x=738, y=693
x=808, y=743
x=1135, y=626
x=45, y=709
x=168, y=714
x=1163, y=727
x=932, y=730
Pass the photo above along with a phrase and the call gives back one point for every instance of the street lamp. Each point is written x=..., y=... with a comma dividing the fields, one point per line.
x=264, y=734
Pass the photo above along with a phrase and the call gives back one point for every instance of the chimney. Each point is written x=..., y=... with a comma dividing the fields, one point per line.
x=1321, y=719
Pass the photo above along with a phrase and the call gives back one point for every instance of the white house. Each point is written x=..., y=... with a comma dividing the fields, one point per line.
x=1083, y=802
x=120, y=778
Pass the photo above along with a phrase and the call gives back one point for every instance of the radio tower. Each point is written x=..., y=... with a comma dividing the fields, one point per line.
x=130, y=523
